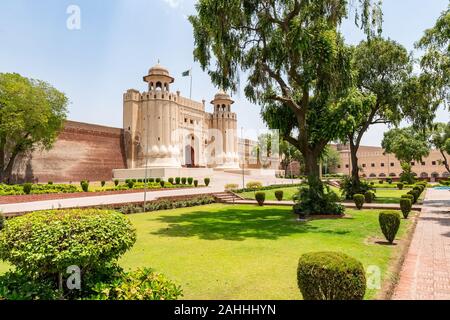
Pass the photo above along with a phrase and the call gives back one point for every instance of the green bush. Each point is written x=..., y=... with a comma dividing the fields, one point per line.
x=2, y=221
x=162, y=183
x=177, y=180
x=196, y=183
x=143, y=284
x=416, y=195
x=85, y=186
x=27, y=188
x=369, y=196
x=130, y=184
x=207, y=181
x=190, y=180
x=158, y=180
x=317, y=199
x=151, y=180
x=389, y=223
x=183, y=180
x=381, y=181
x=254, y=185
x=103, y=183
x=405, y=205
x=359, y=200
x=400, y=186
x=165, y=204
x=349, y=188
x=38, y=243
x=260, y=198
x=231, y=186
x=330, y=276
x=389, y=180
x=170, y=180
x=279, y=195
x=408, y=196
x=50, y=183
x=116, y=182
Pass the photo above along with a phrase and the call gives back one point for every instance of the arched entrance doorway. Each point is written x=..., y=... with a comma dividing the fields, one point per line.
x=189, y=156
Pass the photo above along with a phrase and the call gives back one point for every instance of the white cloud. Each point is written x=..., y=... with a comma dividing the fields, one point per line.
x=174, y=3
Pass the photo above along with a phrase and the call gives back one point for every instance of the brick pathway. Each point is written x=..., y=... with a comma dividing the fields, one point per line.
x=425, y=274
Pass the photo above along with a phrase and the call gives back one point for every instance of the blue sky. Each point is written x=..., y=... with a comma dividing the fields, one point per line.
x=120, y=40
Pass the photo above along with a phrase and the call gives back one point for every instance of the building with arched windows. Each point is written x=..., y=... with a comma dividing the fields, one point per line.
x=169, y=134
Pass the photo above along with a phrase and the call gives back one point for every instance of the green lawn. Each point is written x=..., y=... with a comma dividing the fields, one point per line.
x=382, y=195
x=247, y=252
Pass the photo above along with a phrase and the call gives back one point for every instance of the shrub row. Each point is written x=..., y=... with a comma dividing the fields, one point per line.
x=271, y=187
x=166, y=204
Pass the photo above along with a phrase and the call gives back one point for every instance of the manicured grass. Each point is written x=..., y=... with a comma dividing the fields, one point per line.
x=382, y=195
x=247, y=252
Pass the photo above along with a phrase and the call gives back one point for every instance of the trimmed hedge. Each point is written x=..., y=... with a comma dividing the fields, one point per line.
x=330, y=276
x=254, y=185
x=400, y=186
x=359, y=200
x=405, y=205
x=207, y=181
x=166, y=205
x=389, y=224
x=260, y=198
x=27, y=188
x=369, y=196
x=279, y=195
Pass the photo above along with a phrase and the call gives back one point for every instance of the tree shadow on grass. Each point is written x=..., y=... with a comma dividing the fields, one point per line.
x=238, y=224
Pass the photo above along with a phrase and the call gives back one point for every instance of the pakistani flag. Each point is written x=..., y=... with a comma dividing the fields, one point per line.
x=187, y=73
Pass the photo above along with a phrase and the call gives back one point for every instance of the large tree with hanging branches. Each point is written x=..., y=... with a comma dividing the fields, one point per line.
x=298, y=66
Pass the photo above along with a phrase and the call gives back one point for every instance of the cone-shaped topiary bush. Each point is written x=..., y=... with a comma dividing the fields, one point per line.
x=116, y=182
x=183, y=180
x=27, y=188
x=190, y=180
x=170, y=180
x=330, y=276
x=279, y=195
x=389, y=223
x=405, y=205
x=196, y=183
x=260, y=198
x=359, y=200
x=400, y=186
x=369, y=196
x=207, y=181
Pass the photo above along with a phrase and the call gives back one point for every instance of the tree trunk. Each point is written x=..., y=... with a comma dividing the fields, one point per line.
x=354, y=160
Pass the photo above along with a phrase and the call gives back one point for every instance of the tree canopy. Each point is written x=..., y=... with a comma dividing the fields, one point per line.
x=297, y=63
x=440, y=139
x=407, y=144
x=32, y=113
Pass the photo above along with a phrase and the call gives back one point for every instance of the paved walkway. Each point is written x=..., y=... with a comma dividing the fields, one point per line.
x=425, y=274
x=218, y=181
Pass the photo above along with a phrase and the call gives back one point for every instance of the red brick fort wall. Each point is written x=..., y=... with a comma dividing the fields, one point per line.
x=82, y=151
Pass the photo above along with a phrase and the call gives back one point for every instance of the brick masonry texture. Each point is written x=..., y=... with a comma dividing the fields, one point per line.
x=82, y=151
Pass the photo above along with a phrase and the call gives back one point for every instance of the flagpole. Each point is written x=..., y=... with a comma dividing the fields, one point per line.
x=190, y=92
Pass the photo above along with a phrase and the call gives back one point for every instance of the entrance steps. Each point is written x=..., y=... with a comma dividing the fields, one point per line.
x=226, y=197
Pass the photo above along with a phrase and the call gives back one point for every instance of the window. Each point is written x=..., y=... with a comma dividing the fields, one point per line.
x=422, y=163
x=339, y=166
x=433, y=163
x=413, y=163
x=382, y=164
x=364, y=165
x=373, y=165
x=192, y=121
x=392, y=164
x=185, y=119
x=346, y=166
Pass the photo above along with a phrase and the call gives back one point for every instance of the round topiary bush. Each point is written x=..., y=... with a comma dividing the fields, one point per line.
x=183, y=180
x=405, y=205
x=27, y=188
x=400, y=186
x=279, y=195
x=330, y=276
x=158, y=180
x=130, y=184
x=260, y=198
x=48, y=242
x=85, y=186
x=369, y=196
x=207, y=181
x=389, y=223
x=359, y=200
x=177, y=180
x=254, y=185
x=171, y=180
